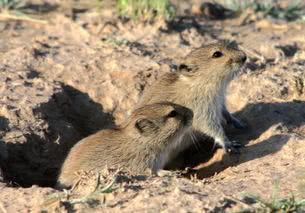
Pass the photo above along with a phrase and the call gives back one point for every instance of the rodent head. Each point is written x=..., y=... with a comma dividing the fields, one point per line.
x=160, y=121
x=213, y=59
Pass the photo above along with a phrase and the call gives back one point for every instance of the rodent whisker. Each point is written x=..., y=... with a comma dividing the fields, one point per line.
x=193, y=139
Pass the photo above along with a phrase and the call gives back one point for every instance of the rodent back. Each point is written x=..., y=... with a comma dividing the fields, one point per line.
x=134, y=145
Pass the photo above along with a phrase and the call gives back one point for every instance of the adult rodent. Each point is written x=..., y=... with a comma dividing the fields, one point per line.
x=201, y=84
x=144, y=141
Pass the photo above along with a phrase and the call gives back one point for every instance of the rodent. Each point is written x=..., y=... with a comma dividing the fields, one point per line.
x=200, y=84
x=144, y=141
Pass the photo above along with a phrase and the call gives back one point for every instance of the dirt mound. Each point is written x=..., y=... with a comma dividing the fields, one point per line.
x=78, y=74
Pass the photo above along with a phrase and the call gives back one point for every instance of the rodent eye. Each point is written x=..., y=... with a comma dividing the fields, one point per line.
x=172, y=114
x=217, y=54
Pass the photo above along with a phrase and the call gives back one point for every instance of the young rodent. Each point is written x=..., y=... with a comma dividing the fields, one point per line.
x=201, y=84
x=144, y=141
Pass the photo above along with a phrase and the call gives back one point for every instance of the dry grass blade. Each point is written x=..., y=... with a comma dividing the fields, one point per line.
x=2, y=208
x=52, y=200
x=11, y=4
x=25, y=18
x=12, y=9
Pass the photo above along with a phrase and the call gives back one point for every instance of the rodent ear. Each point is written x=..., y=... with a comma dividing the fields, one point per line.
x=172, y=114
x=146, y=127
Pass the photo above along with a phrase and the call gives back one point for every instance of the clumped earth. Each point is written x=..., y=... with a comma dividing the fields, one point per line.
x=80, y=73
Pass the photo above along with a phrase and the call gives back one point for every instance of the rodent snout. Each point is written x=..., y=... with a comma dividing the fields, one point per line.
x=244, y=58
x=241, y=59
x=188, y=117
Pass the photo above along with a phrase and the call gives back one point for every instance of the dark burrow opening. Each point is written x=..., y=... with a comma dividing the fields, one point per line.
x=70, y=116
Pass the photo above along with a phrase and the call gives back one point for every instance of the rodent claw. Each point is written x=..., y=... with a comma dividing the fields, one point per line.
x=233, y=148
x=236, y=144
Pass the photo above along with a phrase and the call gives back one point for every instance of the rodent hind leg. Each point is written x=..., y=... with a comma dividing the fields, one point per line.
x=232, y=120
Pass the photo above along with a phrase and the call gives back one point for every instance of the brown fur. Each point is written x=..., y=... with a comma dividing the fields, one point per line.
x=201, y=86
x=143, y=141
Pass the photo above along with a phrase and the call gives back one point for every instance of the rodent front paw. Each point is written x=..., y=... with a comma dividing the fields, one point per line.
x=239, y=124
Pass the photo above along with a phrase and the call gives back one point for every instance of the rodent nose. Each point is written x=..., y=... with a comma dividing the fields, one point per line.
x=244, y=58
x=189, y=116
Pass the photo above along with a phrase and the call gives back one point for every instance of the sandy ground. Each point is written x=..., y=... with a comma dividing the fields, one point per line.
x=80, y=73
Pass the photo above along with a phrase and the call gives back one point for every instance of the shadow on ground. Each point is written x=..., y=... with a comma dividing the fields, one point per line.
x=182, y=23
x=40, y=8
x=70, y=116
x=37, y=160
x=284, y=117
